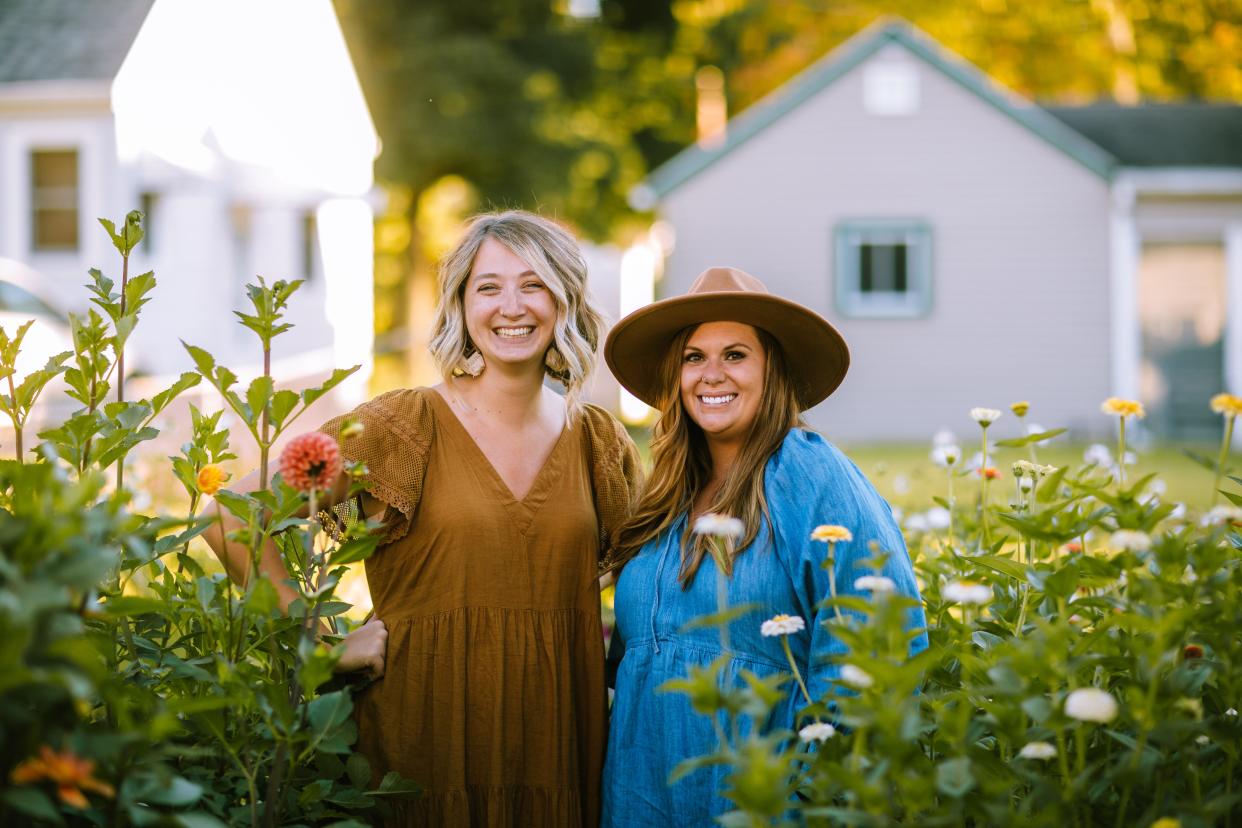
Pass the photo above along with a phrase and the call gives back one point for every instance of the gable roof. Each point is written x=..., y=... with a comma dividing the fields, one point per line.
x=1162, y=135
x=67, y=39
x=758, y=117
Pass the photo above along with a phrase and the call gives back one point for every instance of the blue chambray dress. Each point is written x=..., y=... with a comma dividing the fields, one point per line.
x=808, y=482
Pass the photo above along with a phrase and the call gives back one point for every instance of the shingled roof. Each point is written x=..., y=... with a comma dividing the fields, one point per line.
x=67, y=39
x=1161, y=135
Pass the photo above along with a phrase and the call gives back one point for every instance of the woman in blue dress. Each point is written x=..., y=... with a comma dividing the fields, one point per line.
x=730, y=367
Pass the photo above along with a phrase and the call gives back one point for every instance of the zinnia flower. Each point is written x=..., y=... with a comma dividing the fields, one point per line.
x=985, y=416
x=779, y=625
x=1131, y=540
x=1020, y=408
x=311, y=461
x=966, y=592
x=817, y=732
x=875, y=583
x=856, y=676
x=1225, y=514
x=210, y=478
x=831, y=534
x=989, y=473
x=1037, y=750
x=1227, y=404
x=1123, y=408
x=1191, y=651
x=719, y=526
x=70, y=773
x=1091, y=704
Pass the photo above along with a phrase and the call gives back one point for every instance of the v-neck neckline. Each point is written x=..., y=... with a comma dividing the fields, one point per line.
x=532, y=496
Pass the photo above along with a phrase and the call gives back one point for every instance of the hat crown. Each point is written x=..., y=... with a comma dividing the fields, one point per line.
x=726, y=280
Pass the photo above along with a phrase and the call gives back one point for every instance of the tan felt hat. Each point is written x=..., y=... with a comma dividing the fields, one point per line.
x=815, y=352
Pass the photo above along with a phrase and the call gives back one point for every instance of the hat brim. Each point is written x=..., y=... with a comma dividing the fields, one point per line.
x=815, y=352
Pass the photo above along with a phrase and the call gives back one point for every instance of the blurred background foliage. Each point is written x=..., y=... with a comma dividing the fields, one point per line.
x=564, y=105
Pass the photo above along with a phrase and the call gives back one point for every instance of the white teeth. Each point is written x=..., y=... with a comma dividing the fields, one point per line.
x=721, y=400
x=514, y=332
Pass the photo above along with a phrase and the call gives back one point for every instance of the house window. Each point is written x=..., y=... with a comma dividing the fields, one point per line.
x=883, y=268
x=54, y=199
x=310, y=244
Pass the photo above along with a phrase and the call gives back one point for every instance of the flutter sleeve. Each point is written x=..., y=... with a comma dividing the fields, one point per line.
x=815, y=484
x=616, y=472
x=398, y=428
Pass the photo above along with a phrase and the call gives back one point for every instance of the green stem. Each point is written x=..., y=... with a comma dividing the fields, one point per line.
x=832, y=578
x=1220, y=461
x=793, y=665
x=120, y=370
x=17, y=428
x=983, y=506
x=1121, y=455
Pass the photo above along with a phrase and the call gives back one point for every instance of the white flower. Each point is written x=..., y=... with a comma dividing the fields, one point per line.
x=856, y=676
x=976, y=461
x=779, y=625
x=917, y=522
x=1224, y=515
x=1233, y=711
x=966, y=592
x=1131, y=540
x=720, y=526
x=1037, y=750
x=937, y=517
x=1097, y=454
x=1026, y=484
x=985, y=416
x=1202, y=739
x=817, y=732
x=944, y=437
x=1090, y=704
x=946, y=456
x=875, y=583
x=901, y=485
x=1179, y=511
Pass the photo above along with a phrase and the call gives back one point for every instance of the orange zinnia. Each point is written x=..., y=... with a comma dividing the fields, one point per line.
x=69, y=772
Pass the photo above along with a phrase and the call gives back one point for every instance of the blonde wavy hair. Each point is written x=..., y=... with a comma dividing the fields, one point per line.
x=554, y=256
x=681, y=464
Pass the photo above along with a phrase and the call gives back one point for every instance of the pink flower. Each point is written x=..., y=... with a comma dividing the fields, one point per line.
x=311, y=461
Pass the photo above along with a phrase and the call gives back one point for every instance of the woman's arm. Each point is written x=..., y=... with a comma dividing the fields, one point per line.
x=364, y=647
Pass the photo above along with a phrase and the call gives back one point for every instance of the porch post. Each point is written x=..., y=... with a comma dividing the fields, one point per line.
x=1233, y=314
x=1125, y=337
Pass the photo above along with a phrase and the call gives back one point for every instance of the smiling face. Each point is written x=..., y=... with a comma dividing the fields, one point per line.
x=722, y=375
x=510, y=313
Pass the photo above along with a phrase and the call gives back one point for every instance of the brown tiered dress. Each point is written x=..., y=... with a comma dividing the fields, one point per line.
x=493, y=698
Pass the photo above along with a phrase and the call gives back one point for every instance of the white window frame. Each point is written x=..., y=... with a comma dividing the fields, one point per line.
x=915, y=301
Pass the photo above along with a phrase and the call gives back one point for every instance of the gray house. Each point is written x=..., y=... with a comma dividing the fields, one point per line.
x=976, y=249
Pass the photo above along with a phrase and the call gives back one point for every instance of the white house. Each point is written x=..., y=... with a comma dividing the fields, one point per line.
x=976, y=249
x=238, y=127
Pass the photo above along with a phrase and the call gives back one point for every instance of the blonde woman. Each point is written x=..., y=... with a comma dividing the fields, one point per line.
x=730, y=367
x=497, y=495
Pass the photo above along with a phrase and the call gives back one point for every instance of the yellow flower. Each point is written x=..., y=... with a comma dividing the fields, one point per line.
x=1167, y=822
x=210, y=478
x=831, y=534
x=1227, y=404
x=1123, y=408
x=1020, y=408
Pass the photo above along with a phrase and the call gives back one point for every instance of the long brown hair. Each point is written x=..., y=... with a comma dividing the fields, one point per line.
x=681, y=464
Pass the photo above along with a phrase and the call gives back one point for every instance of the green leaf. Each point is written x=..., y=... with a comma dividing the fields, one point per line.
x=329, y=711
x=1020, y=442
x=186, y=381
x=1004, y=566
x=176, y=792
x=395, y=785
x=954, y=777
x=359, y=770
x=33, y=803
x=283, y=402
x=198, y=819
x=259, y=394
x=354, y=550
x=717, y=619
x=128, y=605
x=338, y=376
